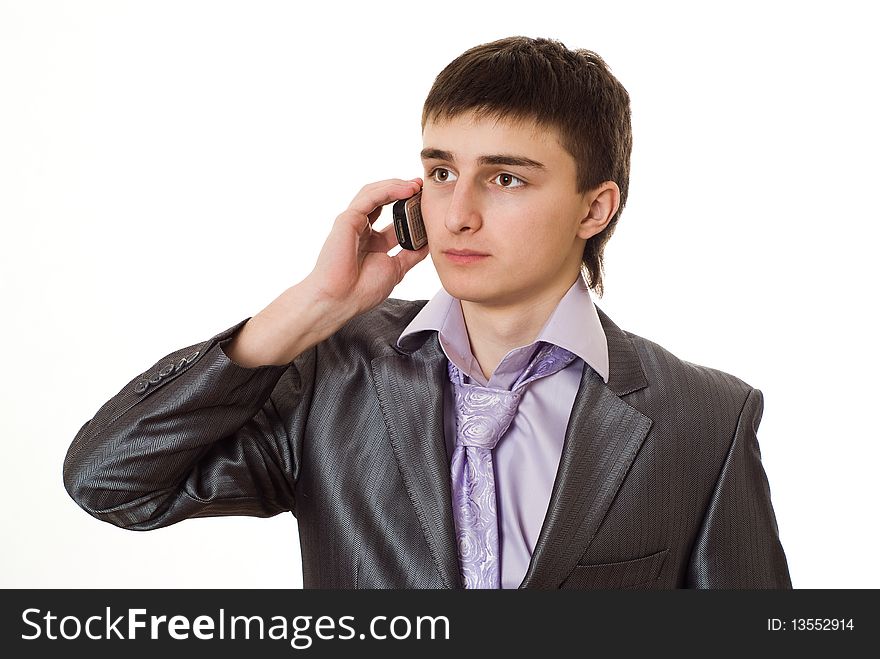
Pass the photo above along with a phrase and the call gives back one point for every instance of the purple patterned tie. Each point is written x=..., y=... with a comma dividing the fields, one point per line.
x=483, y=414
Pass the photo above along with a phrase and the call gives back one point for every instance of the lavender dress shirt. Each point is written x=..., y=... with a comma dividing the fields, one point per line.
x=527, y=457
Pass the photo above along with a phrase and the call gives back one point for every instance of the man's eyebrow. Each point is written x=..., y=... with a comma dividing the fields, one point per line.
x=494, y=159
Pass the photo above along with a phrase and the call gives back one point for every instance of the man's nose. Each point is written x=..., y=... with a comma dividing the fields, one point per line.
x=464, y=210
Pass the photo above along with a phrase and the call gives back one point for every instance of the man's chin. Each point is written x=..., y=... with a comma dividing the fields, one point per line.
x=464, y=287
x=468, y=287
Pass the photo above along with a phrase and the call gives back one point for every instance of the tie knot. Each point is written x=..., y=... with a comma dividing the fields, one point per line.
x=484, y=414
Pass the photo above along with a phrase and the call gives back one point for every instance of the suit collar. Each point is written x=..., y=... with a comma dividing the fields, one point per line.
x=573, y=325
x=603, y=436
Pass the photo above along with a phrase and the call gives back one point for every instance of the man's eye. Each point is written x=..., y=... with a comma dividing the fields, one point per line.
x=442, y=175
x=507, y=181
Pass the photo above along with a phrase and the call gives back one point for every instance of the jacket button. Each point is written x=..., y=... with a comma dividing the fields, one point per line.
x=141, y=386
x=186, y=361
x=166, y=370
x=155, y=379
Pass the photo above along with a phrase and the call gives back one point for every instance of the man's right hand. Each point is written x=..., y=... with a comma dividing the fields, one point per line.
x=353, y=274
x=354, y=268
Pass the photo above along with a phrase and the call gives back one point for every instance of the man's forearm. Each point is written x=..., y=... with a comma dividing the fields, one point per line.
x=295, y=321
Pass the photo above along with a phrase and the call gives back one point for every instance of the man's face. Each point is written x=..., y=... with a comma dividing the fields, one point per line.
x=506, y=190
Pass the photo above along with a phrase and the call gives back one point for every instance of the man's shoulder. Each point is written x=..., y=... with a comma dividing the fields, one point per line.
x=376, y=331
x=672, y=373
x=691, y=400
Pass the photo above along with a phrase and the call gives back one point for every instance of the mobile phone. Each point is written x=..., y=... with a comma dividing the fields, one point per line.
x=408, y=223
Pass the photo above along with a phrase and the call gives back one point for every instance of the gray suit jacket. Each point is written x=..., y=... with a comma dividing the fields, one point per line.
x=660, y=483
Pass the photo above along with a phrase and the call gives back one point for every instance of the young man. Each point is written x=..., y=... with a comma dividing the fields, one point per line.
x=505, y=433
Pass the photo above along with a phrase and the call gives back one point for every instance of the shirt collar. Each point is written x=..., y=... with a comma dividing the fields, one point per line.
x=573, y=325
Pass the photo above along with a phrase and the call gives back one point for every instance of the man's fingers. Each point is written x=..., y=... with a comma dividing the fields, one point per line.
x=374, y=215
x=369, y=201
x=407, y=258
x=383, y=241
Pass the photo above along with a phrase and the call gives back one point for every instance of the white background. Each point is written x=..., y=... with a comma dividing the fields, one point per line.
x=168, y=168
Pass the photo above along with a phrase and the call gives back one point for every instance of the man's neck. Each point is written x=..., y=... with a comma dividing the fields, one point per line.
x=494, y=331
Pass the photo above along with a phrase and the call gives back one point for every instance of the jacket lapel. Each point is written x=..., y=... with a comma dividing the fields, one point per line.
x=410, y=390
x=603, y=436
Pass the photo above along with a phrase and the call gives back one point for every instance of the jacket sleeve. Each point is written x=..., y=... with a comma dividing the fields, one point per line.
x=196, y=435
x=738, y=545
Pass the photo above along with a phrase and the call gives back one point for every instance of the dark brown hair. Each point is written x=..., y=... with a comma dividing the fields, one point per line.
x=521, y=78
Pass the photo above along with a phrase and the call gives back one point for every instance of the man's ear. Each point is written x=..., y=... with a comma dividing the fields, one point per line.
x=601, y=204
